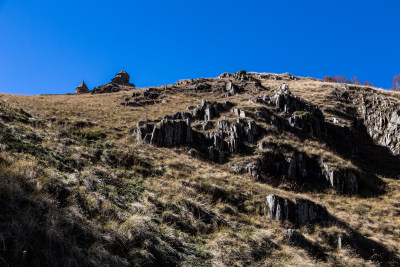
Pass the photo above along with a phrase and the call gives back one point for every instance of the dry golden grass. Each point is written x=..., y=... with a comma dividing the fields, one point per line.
x=215, y=213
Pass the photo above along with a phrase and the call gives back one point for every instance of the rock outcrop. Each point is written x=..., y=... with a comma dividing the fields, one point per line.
x=299, y=211
x=299, y=113
x=150, y=96
x=342, y=180
x=166, y=133
x=240, y=76
x=210, y=110
x=221, y=138
x=231, y=89
x=298, y=168
x=382, y=120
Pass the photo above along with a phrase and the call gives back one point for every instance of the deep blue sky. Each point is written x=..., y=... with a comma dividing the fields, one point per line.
x=50, y=46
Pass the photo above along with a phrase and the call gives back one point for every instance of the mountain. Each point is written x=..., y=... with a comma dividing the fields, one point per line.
x=247, y=169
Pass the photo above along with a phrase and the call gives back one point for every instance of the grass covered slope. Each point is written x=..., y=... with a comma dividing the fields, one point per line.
x=77, y=189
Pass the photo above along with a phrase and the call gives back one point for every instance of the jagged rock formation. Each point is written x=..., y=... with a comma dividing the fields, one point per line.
x=231, y=89
x=382, y=119
x=307, y=172
x=239, y=76
x=84, y=175
x=210, y=110
x=150, y=96
x=82, y=88
x=301, y=114
x=342, y=180
x=166, y=133
x=298, y=167
x=171, y=133
x=299, y=211
x=226, y=137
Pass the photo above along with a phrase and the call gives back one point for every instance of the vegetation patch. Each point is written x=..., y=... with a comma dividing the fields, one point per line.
x=89, y=135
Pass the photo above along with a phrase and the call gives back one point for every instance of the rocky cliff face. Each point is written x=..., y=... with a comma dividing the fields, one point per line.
x=221, y=137
x=242, y=176
x=217, y=139
x=382, y=119
x=299, y=211
x=299, y=113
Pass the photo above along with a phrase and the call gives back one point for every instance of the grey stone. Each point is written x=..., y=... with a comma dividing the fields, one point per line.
x=382, y=119
x=342, y=180
x=299, y=211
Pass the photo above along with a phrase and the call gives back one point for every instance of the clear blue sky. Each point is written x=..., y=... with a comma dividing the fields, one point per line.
x=51, y=46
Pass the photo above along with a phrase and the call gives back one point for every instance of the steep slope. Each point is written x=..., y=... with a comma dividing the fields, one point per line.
x=248, y=169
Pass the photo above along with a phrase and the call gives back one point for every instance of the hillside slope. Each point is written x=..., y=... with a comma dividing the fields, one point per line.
x=247, y=169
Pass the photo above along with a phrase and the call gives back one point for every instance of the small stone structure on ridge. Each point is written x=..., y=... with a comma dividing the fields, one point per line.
x=119, y=83
x=122, y=77
x=82, y=89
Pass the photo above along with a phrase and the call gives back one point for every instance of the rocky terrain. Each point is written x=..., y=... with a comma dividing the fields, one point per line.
x=247, y=169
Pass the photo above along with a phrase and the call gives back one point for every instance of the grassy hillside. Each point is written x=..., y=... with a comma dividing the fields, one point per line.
x=77, y=189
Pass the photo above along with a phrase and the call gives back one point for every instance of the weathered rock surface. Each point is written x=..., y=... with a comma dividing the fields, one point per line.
x=201, y=87
x=166, y=133
x=299, y=211
x=301, y=114
x=232, y=89
x=139, y=99
x=382, y=120
x=240, y=76
x=308, y=172
x=342, y=180
x=210, y=110
x=221, y=139
x=297, y=168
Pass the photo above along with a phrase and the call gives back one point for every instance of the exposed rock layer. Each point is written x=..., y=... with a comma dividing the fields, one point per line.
x=298, y=211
